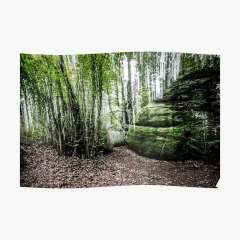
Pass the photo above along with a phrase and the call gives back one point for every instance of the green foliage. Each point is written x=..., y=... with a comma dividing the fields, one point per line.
x=104, y=143
x=83, y=104
x=61, y=99
x=193, y=62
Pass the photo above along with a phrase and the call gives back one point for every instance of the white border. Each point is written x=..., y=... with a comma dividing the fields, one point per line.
x=134, y=212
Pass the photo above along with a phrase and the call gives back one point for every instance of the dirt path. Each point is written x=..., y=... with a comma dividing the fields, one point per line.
x=43, y=167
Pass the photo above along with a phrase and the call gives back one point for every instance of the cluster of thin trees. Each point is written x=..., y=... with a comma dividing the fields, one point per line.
x=71, y=100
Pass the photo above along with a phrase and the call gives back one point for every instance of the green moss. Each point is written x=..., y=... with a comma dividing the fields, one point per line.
x=157, y=115
x=159, y=143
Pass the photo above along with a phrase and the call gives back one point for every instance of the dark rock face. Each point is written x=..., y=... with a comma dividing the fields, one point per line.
x=196, y=98
x=185, y=124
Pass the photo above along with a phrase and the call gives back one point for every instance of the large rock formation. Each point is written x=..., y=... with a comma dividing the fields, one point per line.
x=158, y=115
x=196, y=97
x=185, y=124
x=156, y=133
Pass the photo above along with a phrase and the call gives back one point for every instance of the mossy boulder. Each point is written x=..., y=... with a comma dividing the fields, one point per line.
x=158, y=115
x=184, y=124
x=159, y=143
x=112, y=131
x=110, y=138
x=116, y=137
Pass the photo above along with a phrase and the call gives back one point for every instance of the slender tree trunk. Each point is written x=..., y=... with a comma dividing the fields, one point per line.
x=129, y=93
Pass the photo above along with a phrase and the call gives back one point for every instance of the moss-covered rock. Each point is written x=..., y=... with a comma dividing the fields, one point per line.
x=159, y=143
x=196, y=97
x=158, y=115
x=184, y=124
x=156, y=133
x=110, y=138
x=116, y=137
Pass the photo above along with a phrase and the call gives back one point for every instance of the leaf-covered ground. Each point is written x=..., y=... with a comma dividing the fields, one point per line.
x=41, y=166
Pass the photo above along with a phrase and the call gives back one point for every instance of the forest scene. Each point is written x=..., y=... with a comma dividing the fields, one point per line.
x=111, y=119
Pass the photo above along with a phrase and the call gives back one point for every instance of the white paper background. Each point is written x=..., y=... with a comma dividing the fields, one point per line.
x=134, y=212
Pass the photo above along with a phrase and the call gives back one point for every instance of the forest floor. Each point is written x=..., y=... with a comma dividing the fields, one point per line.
x=43, y=167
